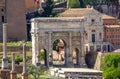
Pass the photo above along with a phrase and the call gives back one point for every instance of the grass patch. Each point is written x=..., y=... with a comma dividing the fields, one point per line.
x=28, y=43
x=17, y=54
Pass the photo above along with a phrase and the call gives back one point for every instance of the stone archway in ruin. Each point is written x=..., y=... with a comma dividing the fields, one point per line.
x=45, y=31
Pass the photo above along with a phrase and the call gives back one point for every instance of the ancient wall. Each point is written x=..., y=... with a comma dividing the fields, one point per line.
x=16, y=20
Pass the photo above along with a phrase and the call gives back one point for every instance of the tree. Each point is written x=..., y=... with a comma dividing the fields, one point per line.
x=82, y=3
x=35, y=71
x=48, y=8
x=74, y=4
x=111, y=66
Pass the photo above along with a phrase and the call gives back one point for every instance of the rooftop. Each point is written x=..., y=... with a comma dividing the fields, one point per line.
x=78, y=12
x=81, y=12
x=112, y=26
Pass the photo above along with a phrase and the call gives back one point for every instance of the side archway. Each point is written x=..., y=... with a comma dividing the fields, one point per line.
x=76, y=56
x=43, y=56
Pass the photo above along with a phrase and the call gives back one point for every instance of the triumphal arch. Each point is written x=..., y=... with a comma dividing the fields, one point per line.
x=45, y=31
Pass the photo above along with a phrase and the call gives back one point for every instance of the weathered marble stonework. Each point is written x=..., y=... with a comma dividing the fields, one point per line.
x=46, y=30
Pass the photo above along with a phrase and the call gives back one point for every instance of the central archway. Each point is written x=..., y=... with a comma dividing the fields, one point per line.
x=59, y=52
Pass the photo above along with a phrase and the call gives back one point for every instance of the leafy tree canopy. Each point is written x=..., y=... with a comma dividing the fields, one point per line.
x=111, y=66
x=48, y=8
x=74, y=4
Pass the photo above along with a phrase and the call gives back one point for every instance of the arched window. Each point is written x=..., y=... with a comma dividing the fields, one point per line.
x=100, y=35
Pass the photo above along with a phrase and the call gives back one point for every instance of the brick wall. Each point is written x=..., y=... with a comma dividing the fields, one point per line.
x=112, y=35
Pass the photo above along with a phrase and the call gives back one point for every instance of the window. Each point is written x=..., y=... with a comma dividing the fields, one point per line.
x=91, y=48
x=2, y=10
x=93, y=30
x=92, y=20
x=100, y=35
x=98, y=47
x=93, y=37
x=3, y=19
x=104, y=48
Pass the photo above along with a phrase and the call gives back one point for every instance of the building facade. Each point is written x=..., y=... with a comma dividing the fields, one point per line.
x=93, y=28
x=12, y=12
x=112, y=35
x=94, y=33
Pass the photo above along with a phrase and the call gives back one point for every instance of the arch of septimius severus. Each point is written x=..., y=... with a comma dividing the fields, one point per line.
x=46, y=30
x=83, y=32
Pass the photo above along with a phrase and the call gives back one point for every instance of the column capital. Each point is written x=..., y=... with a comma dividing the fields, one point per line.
x=5, y=24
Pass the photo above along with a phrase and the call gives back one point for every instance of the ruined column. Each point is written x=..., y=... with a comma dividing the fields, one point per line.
x=49, y=49
x=4, y=59
x=24, y=74
x=37, y=49
x=13, y=74
x=70, y=51
x=82, y=55
x=5, y=73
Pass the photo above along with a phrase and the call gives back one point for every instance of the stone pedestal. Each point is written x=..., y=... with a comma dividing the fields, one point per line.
x=4, y=63
x=5, y=74
x=13, y=75
x=24, y=76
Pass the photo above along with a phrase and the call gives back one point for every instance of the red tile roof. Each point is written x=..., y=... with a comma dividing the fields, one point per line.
x=81, y=12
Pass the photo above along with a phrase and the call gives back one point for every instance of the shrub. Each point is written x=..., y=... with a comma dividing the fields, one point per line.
x=111, y=66
x=42, y=55
x=18, y=59
x=34, y=71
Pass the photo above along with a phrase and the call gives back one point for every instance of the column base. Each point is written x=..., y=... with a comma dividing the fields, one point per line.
x=4, y=63
x=13, y=75
x=24, y=75
x=5, y=74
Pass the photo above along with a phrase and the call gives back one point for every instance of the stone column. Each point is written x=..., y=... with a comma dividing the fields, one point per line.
x=70, y=51
x=82, y=55
x=49, y=60
x=13, y=74
x=37, y=49
x=5, y=73
x=4, y=59
x=24, y=74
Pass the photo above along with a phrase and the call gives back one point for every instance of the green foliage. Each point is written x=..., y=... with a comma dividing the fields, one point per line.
x=89, y=2
x=111, y=66
x=42, y=55
x=74, y=4
x=55, y=44
x=18, y=59
x=35, y=71
x=48, y=9
x=29, y=43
